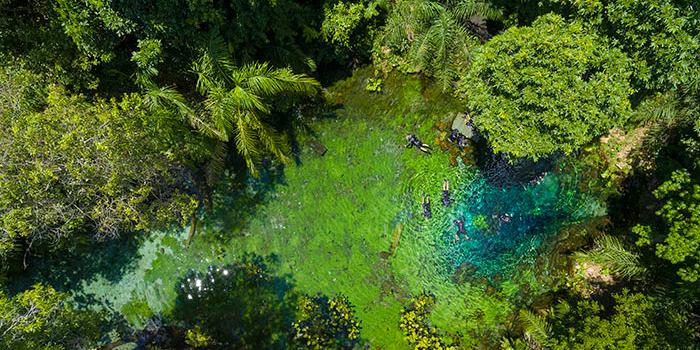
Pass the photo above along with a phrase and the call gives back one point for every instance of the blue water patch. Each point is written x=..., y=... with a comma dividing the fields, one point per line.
x=507, y=225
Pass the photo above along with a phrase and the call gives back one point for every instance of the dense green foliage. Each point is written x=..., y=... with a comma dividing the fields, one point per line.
x=636, y=321
x=434, y=38
x=41, y=319
x=550, y=87
x=662, y=37
x=134, y=119
x=237, y=101
x=326, y=323
x=72, y=166
x=680, y=214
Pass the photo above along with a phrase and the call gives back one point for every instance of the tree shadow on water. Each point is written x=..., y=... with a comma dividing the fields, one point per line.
x=237, y=306
x=81, y=260
x=237, y=199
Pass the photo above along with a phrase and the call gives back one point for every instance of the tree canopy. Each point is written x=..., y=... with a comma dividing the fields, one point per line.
x=41, y=319
x=661, y=37
x=550, y=87
x=72, y=166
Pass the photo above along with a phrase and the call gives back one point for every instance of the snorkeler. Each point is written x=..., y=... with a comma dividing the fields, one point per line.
x=414, y=141
x=460, y=228
x=446, y=193
x=458, y=138
x=462, y=141
x=425, y=202
x=454, y=135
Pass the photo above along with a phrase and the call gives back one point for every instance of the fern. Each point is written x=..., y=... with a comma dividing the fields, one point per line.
x=537, y=330
x=610, y=252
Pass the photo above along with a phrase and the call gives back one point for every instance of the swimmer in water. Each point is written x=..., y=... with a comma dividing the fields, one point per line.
x=460, y=229
x=446, y=193
x=414, y=141
x=425, y=202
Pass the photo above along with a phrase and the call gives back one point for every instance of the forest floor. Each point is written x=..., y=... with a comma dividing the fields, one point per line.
x=346, y=222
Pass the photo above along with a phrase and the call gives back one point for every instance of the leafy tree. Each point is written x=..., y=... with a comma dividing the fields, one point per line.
x=326, y=323
x=69, y=165
x=432, y=37
x=674, y=231
x=32, y=33
x=351, y=26
x=94, y=26
x=681, y=216
x=633, y=323
x=550, y=87
x=416, y=326
x=636, y=321
x=237, y=101
x=40, y=318
x=662, y=37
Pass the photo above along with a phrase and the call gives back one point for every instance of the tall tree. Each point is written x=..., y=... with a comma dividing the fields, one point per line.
x=662, y=37
x=69, y=166
x=432, y=37
x=677, y=236
x=550, y=87
x=235, y=102
x=41, y=319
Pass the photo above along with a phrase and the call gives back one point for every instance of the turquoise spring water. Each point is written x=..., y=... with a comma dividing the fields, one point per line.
x=508, y=223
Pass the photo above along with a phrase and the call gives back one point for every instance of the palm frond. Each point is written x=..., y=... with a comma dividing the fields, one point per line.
x=168, y=98
x=215, y=166
x=246, y=143
x=537, y=329
x=262, y=80
x=245, y=100
x=466, y=9
x=611, y=253
x=273, y=141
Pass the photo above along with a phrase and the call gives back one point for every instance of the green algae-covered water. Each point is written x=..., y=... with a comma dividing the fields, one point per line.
x=349, y=222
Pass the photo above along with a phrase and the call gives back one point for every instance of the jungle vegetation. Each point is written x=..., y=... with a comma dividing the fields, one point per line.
x=124, y=119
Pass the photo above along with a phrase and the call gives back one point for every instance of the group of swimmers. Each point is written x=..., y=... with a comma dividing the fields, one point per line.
x=457, y=137
x=446, y=201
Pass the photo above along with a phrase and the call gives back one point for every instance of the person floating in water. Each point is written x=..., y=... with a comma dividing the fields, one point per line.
x=460, y=229
x=425, y=202
x=458, y=138
x=446, y=193
x=454, y=135
x=414, y=141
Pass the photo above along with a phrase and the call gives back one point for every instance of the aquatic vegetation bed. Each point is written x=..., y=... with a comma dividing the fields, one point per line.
x=349, y=222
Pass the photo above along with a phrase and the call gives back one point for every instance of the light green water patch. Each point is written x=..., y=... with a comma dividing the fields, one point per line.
x=347, y=222
x=327, y=221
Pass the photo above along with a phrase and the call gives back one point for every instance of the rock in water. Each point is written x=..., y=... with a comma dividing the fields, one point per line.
x=318, y=147
x=460, y=123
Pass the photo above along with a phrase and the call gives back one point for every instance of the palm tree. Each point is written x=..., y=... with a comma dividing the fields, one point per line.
x=235, y=103
x=434, y=36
